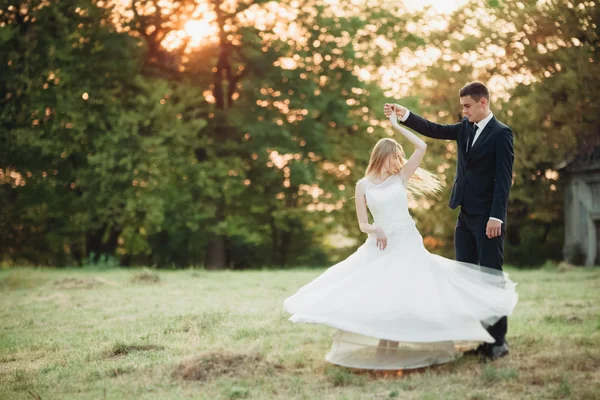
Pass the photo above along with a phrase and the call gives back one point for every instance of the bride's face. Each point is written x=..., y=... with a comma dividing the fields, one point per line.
x=392, y=165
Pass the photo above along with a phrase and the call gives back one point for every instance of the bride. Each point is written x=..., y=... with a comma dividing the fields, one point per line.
x=395, y=305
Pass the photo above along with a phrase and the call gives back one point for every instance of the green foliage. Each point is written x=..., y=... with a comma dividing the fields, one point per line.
x=565, y=389
x=118, y=148
x=534, y=55
x=117, y=145
x=238, y=392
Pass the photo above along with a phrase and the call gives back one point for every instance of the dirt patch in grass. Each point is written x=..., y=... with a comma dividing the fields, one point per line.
x=122, y=349
x=565, y=267
x=77, y=283
x=145, y=277
x=22, y=279
x=581, y=361
x=563, y=319
x=116, y=372
x=207, y=366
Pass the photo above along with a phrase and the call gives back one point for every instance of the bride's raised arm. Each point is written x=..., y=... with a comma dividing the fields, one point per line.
x=420, y=148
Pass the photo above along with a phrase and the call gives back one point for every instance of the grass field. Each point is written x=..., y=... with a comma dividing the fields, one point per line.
x=139, y=334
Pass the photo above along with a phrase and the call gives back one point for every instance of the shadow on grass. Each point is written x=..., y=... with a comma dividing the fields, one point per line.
x=122, y=349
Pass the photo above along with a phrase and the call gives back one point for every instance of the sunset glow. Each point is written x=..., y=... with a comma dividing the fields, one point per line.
x=200, y=30
x=443, y=6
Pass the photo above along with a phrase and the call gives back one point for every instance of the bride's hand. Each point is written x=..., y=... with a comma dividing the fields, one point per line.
x=381, y=238
x=392, y=108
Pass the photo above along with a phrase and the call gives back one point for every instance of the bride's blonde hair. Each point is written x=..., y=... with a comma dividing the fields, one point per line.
x=421, y=183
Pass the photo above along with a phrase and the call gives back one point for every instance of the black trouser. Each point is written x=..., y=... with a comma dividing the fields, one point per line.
x=473, y=246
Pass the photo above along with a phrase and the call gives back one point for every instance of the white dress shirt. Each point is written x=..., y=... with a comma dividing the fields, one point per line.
x=480, y=126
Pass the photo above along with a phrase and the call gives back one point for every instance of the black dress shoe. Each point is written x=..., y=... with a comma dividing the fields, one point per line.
x=495, y=352
x=479, y=351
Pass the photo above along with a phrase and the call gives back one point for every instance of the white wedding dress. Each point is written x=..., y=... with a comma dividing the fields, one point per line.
x=402, y=307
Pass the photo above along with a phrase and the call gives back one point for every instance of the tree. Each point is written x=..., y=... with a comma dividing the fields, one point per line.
x=284, y=120
x=79, y=144
x=534, y=56
x=49, y=120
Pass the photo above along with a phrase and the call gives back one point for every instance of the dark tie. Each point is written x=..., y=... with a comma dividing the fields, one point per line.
x=471, y=137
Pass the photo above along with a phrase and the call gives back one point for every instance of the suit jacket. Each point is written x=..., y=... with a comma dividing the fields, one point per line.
x=484, y=176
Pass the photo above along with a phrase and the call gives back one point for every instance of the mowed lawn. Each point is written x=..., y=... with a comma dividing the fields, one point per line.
x=141, y=334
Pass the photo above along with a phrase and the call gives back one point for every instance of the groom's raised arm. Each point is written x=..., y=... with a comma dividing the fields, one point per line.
x=431, y=129
x=425, y=127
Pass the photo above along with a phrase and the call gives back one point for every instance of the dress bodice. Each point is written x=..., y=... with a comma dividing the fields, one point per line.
x=387, y=201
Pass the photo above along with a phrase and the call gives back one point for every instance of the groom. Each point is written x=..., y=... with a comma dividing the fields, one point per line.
x=481, y=186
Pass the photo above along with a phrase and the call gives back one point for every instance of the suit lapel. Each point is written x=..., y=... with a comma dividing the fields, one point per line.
x=483, y=137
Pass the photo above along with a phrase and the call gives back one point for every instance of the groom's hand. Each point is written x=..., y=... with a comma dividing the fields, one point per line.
x=389, y=108
x=493, y=228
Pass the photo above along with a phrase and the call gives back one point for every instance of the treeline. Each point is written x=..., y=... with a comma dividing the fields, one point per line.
x=130, y=135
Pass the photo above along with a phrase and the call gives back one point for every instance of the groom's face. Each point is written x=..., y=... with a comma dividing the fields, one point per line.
x=474, y=110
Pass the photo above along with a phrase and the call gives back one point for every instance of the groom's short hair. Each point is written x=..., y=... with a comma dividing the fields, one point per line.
x=476, y=90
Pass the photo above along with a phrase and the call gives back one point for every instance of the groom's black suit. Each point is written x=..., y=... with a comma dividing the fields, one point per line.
x=481, y=187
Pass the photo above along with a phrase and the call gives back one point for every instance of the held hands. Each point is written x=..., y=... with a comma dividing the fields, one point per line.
x=381, y=238
x=493, y=228
x=390, y=108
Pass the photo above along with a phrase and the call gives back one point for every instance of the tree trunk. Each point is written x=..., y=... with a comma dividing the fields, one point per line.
x=274, y=241
x=216, y=257
x=215, y=254
x=547, y=228
x=286, y=239
x=102, y=241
